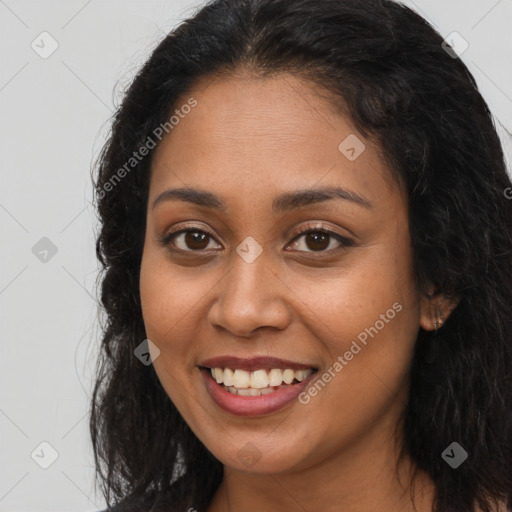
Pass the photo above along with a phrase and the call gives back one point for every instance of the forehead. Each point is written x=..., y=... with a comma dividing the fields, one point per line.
x=250, y=136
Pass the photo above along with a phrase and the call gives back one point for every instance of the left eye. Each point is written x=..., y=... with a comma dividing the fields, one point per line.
x=320, y=240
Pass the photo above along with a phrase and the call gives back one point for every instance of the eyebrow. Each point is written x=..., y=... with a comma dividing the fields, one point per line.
x=282, y=203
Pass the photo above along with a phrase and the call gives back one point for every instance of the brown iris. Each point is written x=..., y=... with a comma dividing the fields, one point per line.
x=319, y=240
x=196, y=237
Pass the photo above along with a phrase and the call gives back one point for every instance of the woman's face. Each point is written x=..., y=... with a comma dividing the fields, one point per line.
x=242, y=285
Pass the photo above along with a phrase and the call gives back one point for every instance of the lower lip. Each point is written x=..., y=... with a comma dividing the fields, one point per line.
x=253, y=405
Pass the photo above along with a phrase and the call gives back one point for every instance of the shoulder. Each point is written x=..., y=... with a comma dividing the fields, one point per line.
x=170, y=500
x=148, y=503
x=138, y=504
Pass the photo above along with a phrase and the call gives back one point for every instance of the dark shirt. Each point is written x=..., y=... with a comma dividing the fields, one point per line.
x=176, y=499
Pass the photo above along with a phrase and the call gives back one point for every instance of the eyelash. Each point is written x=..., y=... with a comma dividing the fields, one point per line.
x=344, y=242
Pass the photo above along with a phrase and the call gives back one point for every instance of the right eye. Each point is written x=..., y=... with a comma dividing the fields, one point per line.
x=188, y=240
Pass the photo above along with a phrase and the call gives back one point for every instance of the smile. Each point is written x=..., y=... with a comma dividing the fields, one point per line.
x=259, y=382
x=254, y=387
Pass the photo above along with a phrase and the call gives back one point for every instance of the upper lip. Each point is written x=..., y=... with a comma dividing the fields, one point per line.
x=253, y=363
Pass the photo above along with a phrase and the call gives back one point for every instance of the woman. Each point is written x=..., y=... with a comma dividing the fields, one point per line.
x=307, y=262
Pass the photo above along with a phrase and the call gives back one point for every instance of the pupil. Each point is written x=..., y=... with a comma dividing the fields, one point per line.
x=194, y=237
x=320, y=240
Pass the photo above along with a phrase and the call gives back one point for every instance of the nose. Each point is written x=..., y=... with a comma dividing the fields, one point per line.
x=251, y=296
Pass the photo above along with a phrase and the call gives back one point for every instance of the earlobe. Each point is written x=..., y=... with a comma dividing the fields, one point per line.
x=435, y=310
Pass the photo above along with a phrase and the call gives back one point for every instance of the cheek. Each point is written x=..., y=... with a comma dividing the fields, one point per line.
x=168, y=298
x=172, y=301
x=164, y=307
x=363, y=295
x=367, y=315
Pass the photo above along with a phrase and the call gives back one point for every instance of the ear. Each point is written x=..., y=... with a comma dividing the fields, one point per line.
x=435, y=308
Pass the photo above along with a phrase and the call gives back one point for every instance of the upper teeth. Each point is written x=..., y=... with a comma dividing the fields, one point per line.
x=258, y=379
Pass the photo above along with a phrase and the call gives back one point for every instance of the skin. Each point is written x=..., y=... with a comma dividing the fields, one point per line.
x=248, y=140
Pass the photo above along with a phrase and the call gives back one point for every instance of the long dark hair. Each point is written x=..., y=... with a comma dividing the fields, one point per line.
x=388, y=67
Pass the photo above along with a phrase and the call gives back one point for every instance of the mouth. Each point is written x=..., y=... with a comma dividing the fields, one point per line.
x=251, y=387
x=260, y=382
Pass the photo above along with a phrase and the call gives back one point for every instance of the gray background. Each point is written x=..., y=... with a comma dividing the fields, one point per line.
x=55, y=114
